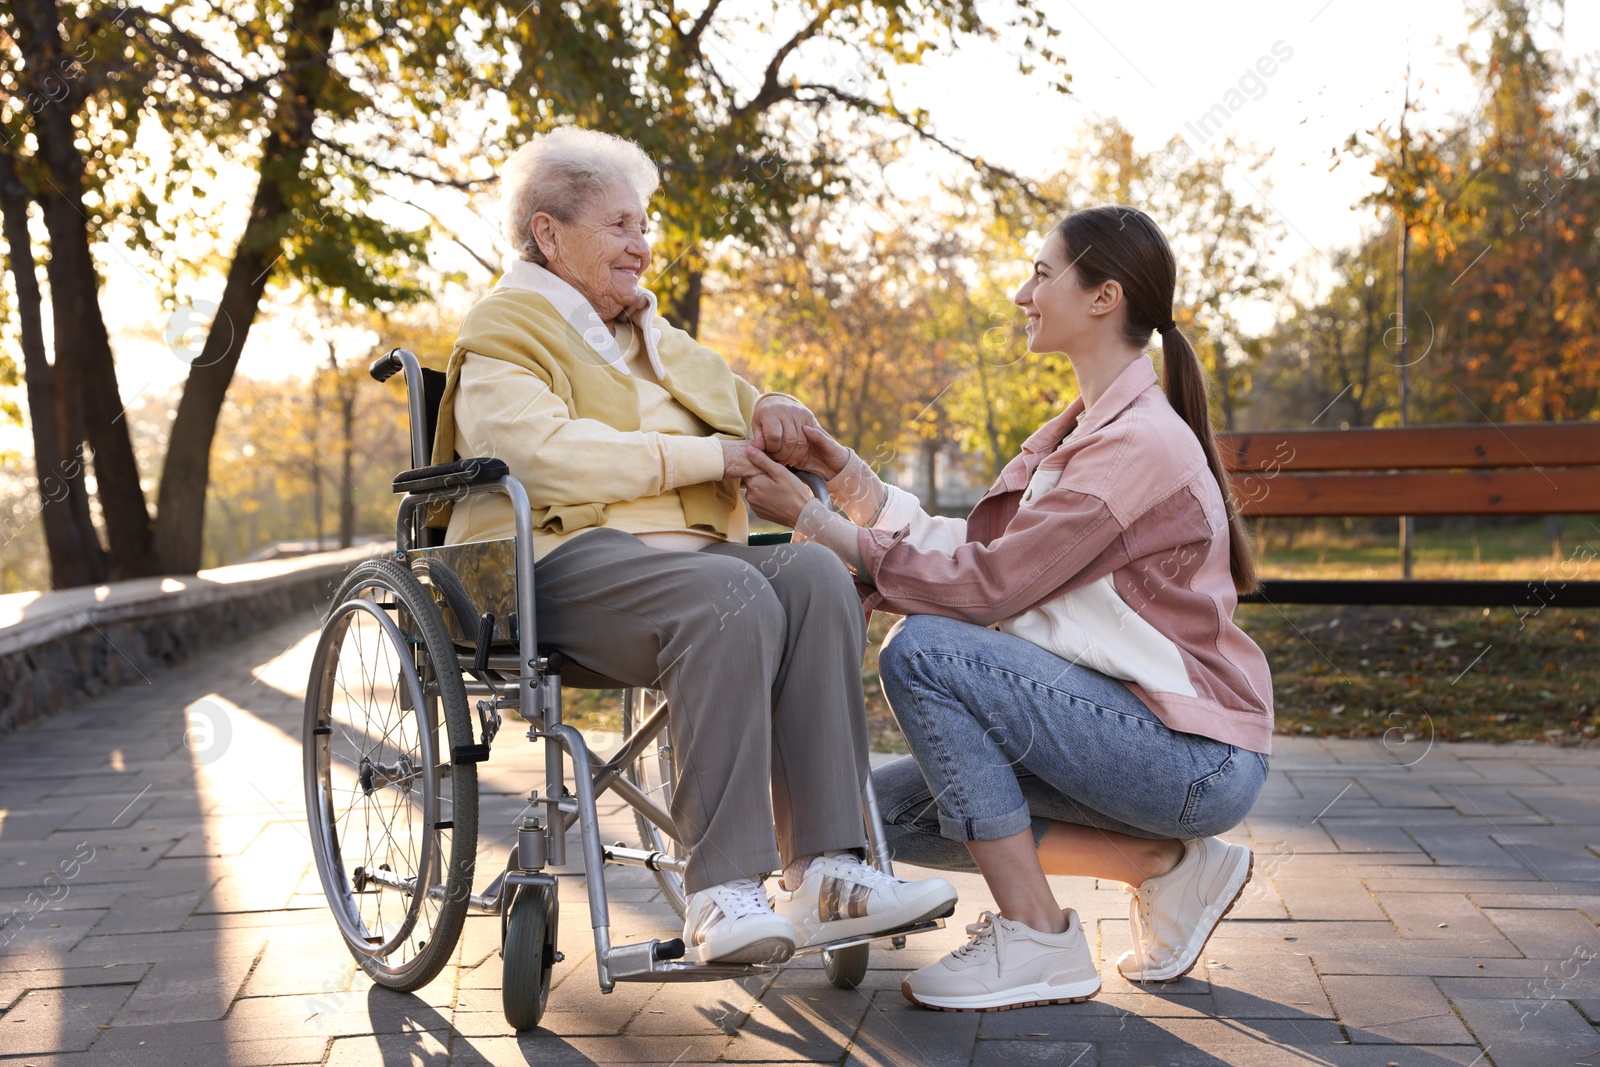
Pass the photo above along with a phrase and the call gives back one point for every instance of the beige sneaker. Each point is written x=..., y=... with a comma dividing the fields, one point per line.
x=1008, y=965
x=1172, y=916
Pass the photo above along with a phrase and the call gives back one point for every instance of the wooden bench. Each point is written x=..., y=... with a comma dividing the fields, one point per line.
x=1479, y=469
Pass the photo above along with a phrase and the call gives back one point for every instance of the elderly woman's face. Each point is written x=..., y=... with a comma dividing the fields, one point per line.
x=603, y=252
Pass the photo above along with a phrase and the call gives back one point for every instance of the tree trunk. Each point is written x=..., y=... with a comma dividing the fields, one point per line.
x=684, y=312
x=83, y=364
x=347, y=486
x=255, y=515
x=1224, y=383
x=930, y=474
x=1552, y=533
x=997, y=461
x=226, y=554
x=181, y=505
x=76, y=557
x=316, y=464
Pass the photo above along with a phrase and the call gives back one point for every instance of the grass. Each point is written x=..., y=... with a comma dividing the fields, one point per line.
x=1403, y=674
x=1490, y=674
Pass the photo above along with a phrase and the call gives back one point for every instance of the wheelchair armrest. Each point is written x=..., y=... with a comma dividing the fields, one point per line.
x=459, y=474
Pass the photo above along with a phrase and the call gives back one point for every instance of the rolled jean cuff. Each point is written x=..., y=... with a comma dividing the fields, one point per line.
x=992, y=828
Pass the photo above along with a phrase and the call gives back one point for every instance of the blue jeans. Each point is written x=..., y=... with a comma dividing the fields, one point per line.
x=1006, y=736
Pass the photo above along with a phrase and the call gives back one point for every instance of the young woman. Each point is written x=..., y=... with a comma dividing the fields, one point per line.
x=1075, y=693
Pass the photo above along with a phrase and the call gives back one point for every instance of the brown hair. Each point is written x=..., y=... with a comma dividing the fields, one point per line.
x=1123, y=244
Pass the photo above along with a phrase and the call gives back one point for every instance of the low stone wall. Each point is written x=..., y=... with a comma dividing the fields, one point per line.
x=57, y=649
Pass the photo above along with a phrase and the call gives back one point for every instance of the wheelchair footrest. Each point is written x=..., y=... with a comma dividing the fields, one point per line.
x=915, y=928
x=661, y=961
x=470, y=753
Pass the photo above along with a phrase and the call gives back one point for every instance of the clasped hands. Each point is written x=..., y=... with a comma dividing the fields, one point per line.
x=785, y=434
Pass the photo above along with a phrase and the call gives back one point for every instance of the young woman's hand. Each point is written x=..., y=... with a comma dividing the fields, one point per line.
x=773, y=492
x=825, y=456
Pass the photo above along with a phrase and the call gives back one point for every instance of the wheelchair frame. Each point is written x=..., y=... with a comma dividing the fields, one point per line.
x=537, y=698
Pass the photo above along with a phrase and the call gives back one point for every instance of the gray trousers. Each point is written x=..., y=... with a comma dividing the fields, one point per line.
x=758, y=650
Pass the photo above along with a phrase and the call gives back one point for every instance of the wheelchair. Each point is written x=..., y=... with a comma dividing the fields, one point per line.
x=392, y=746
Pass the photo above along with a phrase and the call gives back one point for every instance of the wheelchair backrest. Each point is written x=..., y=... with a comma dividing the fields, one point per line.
x=424, y=391
x=432, y=392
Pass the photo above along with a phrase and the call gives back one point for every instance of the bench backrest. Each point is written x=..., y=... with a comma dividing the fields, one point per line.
x=1478, y=469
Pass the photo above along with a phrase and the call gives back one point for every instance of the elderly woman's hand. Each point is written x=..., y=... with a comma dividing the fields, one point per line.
x=736, y=458
x=780, y=423
x=773, y=492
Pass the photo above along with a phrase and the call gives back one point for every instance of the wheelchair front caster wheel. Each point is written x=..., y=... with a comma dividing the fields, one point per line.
x=846, y=967
x=530, y=953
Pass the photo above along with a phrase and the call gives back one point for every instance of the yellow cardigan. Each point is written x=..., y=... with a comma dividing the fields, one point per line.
x=523, y=328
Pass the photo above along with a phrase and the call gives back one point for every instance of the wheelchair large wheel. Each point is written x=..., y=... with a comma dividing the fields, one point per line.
x=655, y=772
x=530, y=955
x=394, y=821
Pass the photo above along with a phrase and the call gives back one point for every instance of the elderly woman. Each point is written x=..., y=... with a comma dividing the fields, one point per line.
x=631, y=440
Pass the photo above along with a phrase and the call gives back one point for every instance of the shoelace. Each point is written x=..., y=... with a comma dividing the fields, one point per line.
x=744, y=897
x=859, y=870
x=1141, y=917
x=985, y=934
x=1141, y=923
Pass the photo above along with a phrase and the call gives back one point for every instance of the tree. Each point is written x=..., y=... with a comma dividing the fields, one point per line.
x=842, y=325
x=1503, y=209
x=1330, y=359
x=327, y=101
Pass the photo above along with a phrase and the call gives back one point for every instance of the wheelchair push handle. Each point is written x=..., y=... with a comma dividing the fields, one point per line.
x=815, y=483
x=386, y=366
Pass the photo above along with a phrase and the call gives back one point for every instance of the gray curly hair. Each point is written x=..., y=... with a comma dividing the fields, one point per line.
x=562, y=172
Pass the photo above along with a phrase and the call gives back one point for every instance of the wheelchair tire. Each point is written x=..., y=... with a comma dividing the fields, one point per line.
x=393, y=818
x=846, y=967
x=655, y=772
x=529, y=955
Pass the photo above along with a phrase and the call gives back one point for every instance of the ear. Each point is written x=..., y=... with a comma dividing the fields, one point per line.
x=1107, y=297
x=543, y=227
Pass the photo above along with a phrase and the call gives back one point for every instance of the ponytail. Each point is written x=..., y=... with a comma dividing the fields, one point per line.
x=1185, y=386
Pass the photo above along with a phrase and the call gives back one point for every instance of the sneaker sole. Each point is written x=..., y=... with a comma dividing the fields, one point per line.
x=842, y=929
x=977, y=1003
x=766, y=950
x=1249, y=870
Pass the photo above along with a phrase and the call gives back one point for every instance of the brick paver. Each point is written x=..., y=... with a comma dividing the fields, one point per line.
x=1418, y=906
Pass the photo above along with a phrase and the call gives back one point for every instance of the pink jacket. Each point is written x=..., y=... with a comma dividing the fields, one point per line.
x=1122, y=564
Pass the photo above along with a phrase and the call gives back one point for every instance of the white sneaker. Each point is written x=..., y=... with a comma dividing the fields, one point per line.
x=732, y=923
x=1008, y=965
x=842, y=897
x=1172, y=915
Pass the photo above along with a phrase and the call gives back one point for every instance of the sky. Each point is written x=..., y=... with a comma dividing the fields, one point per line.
x=1158, y=67
x=1337, y=67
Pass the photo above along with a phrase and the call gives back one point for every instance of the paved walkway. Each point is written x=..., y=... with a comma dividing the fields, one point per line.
x=1412, y=905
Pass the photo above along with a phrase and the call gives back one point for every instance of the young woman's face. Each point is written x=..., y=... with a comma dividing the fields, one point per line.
x=1058, y=308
